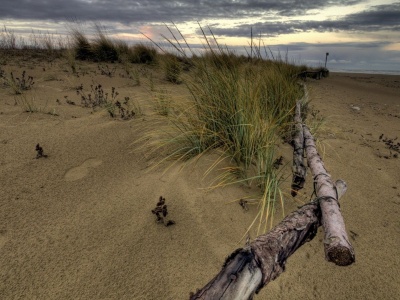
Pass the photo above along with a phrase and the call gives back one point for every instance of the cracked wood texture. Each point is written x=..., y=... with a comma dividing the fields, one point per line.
x=336, y=242
x=299, y=168
x=249, y=269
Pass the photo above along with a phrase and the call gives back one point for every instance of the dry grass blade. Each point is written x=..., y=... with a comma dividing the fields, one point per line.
x=241, y=107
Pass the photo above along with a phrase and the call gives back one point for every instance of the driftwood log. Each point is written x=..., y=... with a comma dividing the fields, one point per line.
x=337, y=246
x=249, y=269
x=299, y=168
x=313, y=74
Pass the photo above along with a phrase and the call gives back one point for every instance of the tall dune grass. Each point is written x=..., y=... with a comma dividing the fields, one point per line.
x=101, y=48
x=81, y=45
x=242, y=107
x=105, y=49
x=142, y=54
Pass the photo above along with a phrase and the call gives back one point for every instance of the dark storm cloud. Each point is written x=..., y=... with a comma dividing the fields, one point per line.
x=379, y=17
x=127, y=11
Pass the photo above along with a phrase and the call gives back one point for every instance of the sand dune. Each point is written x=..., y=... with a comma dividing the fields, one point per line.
x=78, y=224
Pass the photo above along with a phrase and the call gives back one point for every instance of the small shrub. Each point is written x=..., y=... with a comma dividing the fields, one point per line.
x=142, y=54
x=83, y=49
x=101, y=49
x=126, y=111
x=104, y=48
x=105, y=70
x=99, y=98
x=161, y=212
x=39, y=152
x=18, y=84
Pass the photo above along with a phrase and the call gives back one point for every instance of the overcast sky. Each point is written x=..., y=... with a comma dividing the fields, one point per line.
x=358, y=34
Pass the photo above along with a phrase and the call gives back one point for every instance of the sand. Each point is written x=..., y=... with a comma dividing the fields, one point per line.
x=78, y=224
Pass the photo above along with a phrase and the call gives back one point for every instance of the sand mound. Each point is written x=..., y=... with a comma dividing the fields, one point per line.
x=78, y=224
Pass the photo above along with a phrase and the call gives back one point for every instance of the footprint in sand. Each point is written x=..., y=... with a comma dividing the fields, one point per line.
x=82, y=170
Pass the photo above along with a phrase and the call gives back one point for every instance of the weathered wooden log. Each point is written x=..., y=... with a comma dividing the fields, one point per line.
x=249, y=269
x=337, y=246
x=299, y=168
x=313, y=74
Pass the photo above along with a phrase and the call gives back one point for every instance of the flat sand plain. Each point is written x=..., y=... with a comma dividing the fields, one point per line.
x=78, y=224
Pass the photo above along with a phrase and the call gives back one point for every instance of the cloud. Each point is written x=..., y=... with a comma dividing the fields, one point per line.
x=126, y=11
x=117, y=14
x=379, y=17
x=270, y=17
x=376, y=18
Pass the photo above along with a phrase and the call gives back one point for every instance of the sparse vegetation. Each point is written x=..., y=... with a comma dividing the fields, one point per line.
x=315, y=121
x=28, y=103
x=8, y=39
x=136, y=77
x=161, y=212
x=17, y=84
x=125, y=109
x=39, y=152
x=239, y=106
x=106, y=70
x=162, y=102
x=99, y=98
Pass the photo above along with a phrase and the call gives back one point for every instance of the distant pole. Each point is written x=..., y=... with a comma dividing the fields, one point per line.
x=251, y=42
x=326, y=58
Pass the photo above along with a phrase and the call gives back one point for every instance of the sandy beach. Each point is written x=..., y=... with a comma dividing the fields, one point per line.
x=78, y=224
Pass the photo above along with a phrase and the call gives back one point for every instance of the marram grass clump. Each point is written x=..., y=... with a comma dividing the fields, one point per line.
x=241, y=107
x=102, y=48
